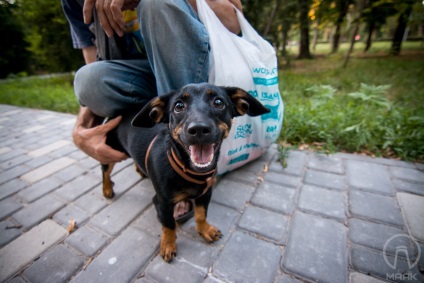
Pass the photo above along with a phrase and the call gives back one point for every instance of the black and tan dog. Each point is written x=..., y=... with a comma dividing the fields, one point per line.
x=176, y=142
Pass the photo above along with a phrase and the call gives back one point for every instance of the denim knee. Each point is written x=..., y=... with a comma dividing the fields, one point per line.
x=82, y=80
x=110, y=88
x=91, y=89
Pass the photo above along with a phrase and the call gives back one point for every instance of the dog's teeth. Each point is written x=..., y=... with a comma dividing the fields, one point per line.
x=202, y=165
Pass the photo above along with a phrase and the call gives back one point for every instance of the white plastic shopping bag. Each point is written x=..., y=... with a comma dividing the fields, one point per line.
x=248, y=62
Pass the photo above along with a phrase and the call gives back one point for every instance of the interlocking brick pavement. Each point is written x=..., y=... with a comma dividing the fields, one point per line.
x=323, y=218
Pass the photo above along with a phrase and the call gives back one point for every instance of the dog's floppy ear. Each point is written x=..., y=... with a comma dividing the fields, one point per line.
x=244, y=103
x=154, y=112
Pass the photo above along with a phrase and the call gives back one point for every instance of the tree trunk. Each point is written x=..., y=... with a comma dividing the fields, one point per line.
x=286, y=29
x=304, y=52
x=336, y=39
x=400, y=29
x=316, y=33
x=343, y=6
x=271, y=18
x=361, y=6
x=371, y=27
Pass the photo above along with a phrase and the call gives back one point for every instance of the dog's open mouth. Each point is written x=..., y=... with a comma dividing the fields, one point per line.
x=202, y=155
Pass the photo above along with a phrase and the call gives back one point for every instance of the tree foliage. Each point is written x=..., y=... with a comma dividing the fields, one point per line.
x=375, y=15
x=48, y=35
x=36, y=38
x=13, y=53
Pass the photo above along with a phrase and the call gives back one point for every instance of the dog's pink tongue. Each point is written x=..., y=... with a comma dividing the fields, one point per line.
x=201, y=153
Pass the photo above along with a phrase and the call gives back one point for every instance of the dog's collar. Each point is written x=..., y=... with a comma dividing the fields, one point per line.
x=206, y=178
x=174, y=157
x=148, y=153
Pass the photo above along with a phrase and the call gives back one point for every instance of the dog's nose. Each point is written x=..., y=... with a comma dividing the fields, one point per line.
x=198, y=129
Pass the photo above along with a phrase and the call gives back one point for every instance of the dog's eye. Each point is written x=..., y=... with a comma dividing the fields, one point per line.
x=179, y=106
x=218, y=103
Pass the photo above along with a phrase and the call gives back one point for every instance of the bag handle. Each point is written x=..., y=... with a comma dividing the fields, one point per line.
x=212, y=22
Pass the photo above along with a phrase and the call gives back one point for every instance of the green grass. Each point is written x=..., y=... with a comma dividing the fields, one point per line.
x=374, y=106
x=51, y=93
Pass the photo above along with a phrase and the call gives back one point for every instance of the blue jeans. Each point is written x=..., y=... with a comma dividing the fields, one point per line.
x=177, y=46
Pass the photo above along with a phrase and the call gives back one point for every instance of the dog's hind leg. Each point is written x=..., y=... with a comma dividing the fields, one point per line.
x=107, y=181
x=138, y=170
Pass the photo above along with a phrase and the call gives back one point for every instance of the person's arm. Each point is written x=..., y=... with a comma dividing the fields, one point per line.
x=90, y=136
x=90, y=54
x=81, y=35
x=89, y=133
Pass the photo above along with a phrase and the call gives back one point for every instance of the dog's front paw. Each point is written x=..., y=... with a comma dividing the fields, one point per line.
x=210, y=233
x=168, y=252
x=108, y=190
x=168, y=244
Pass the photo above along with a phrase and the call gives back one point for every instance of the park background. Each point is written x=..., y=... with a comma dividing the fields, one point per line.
x=351, y=72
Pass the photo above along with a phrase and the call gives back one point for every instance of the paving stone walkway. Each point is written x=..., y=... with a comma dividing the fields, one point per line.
x=336, y=218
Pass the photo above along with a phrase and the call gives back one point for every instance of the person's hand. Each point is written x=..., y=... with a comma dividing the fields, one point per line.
x=224, y=10
x=93, y=142
x=237, y=4
x=109, y=13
